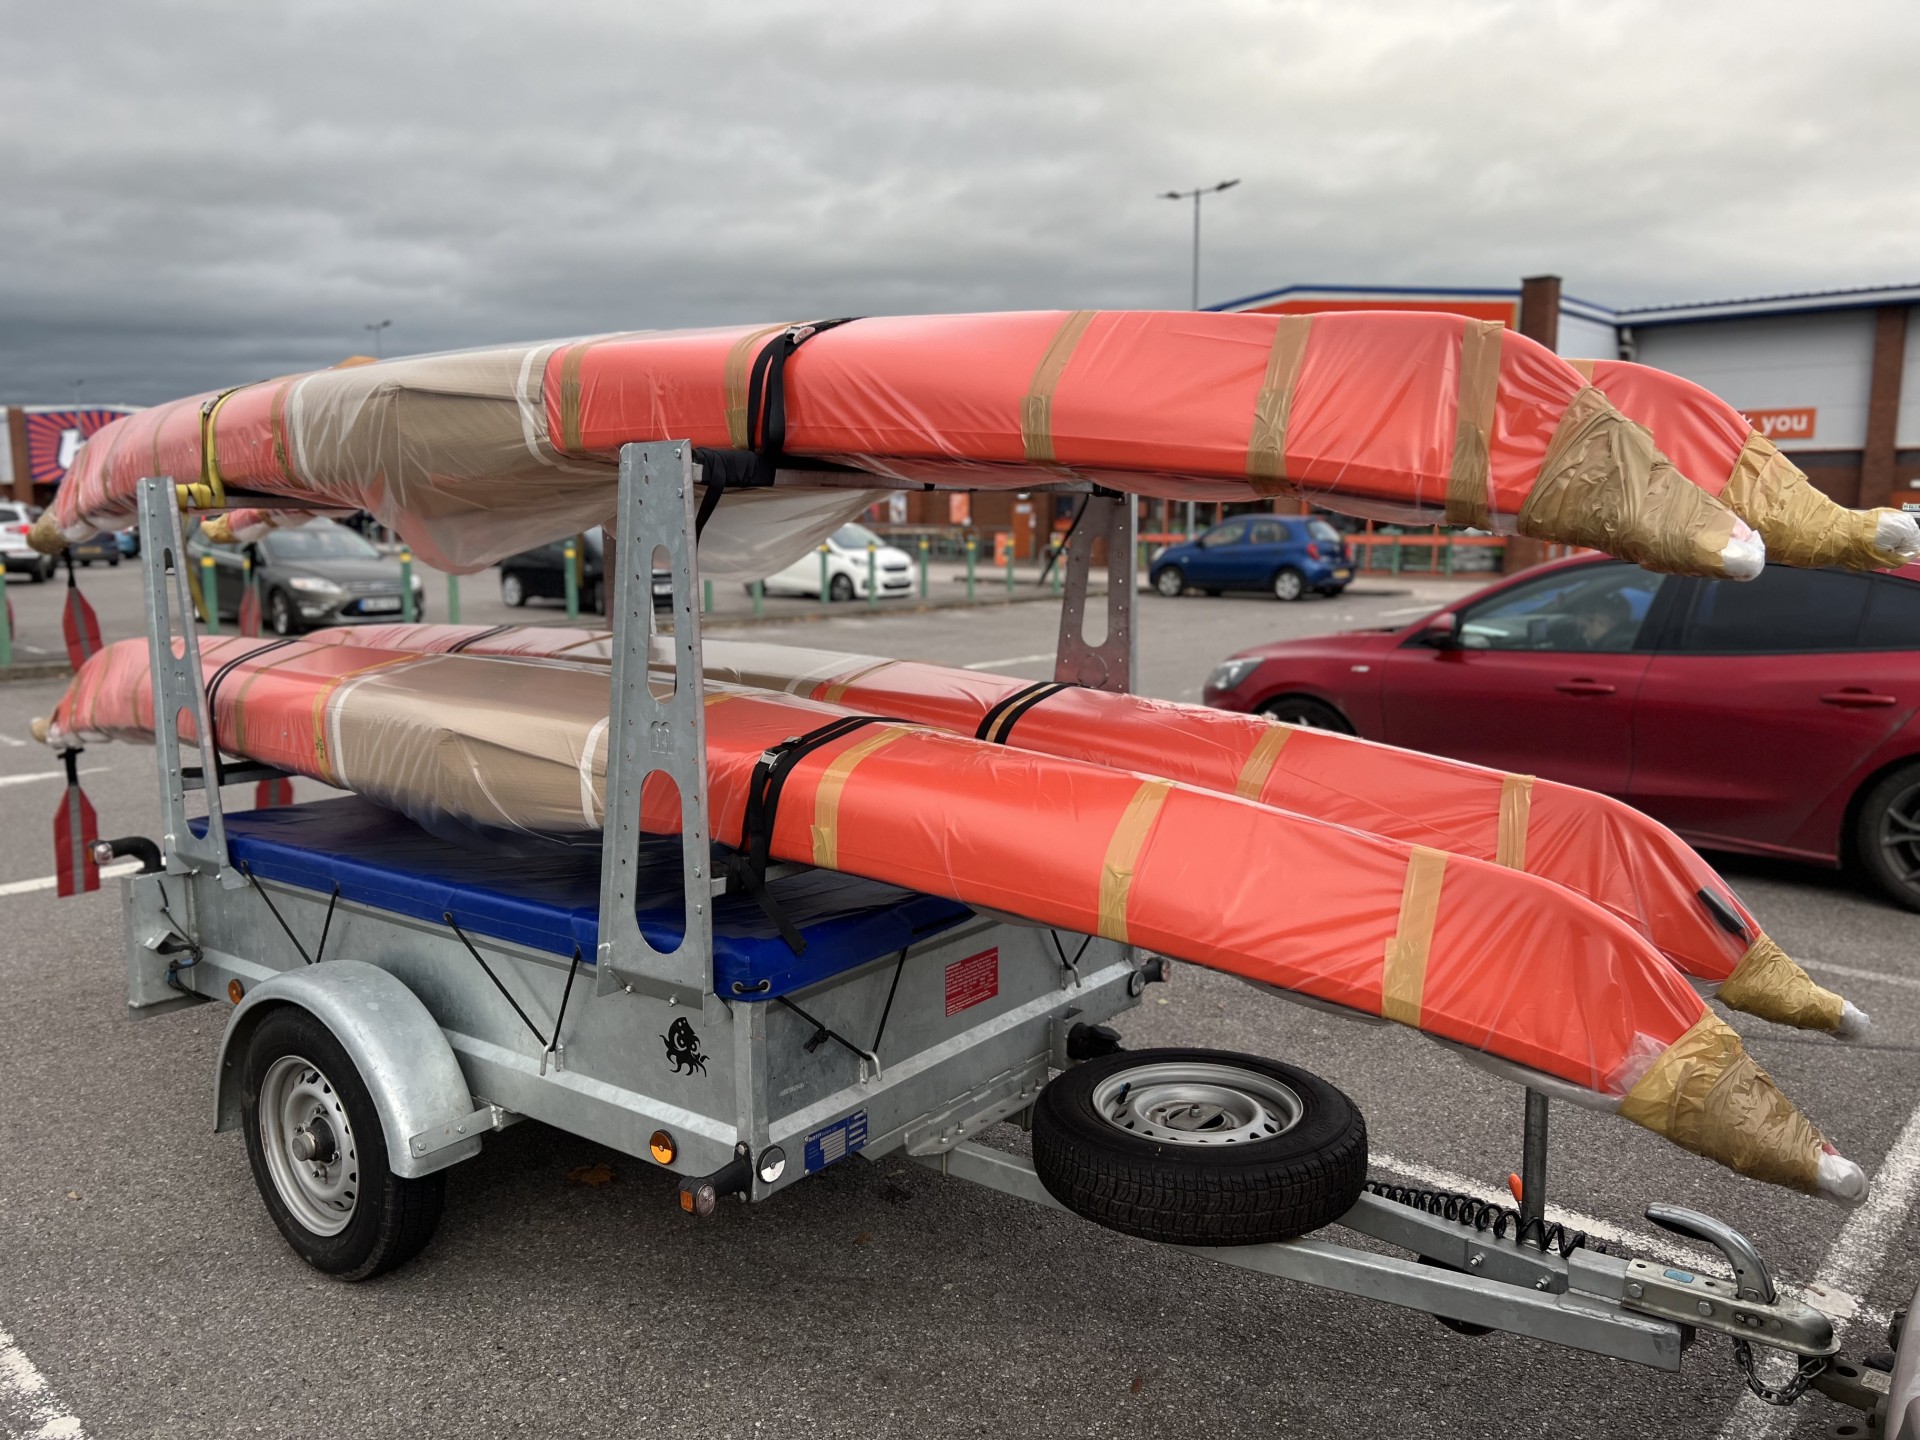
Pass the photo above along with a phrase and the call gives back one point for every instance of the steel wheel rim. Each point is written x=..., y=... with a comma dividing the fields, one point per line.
x=1197, y=1102
x=1900, y=835
x=1288, y=586
x=321, y=1192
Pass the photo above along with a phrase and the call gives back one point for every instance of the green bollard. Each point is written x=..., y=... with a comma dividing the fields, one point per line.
x=1395, y=562
x=1009, y=566
x=759, y=588
x=824, y=596
x=706, y=597
x=1056, y=568
x=408, y=611
x=1447, y=558
x=210, y=594
x=569, y=559
x=873, y=575
x=453, y=599
x=970, y=550
x=923, y=566
x=6, y=623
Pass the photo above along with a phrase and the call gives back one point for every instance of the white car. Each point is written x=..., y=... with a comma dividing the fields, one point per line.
x=847, y=568
x=15, y=554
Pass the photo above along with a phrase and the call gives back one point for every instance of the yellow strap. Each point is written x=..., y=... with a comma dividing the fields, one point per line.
x=1516, y=804
x=209, y=493
x=837, y=688
x=826, y=795
x=1266, y=753
x=1469, y=480
x=1036, y=409
x=1403, y=979
x=739, y=358
x=1123, y=855
x=1267, y=446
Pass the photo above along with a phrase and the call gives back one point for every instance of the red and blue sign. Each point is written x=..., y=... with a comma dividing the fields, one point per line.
x=54, y=438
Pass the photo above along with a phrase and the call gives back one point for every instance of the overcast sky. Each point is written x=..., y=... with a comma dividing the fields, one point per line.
x=196, y=193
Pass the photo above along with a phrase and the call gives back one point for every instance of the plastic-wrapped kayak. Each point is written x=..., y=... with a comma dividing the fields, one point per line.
x=1477, y=954
x=476, y=455
x=1605, y=850
x=1713, y=445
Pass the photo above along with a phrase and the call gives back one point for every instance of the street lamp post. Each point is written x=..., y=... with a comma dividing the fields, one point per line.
x=377, y=328
x=1195, y=195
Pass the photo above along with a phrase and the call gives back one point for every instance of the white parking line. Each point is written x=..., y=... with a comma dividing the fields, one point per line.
x=47, y=882
x=8, y=740
x=1883, y=977
x=1010, y=660
x=29, y=1410
x=1852, y=1260
x=49, y=775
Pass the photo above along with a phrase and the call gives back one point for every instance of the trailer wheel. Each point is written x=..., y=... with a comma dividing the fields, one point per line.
x=1199, y=1147
x=319, y=1155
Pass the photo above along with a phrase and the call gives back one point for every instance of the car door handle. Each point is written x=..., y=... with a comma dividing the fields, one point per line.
x=1583, y=687
x=1857, y=698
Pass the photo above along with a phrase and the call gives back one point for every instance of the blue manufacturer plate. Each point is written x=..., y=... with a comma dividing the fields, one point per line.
x=836, y=1141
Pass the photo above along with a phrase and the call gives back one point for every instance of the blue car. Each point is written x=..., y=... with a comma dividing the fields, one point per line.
x=1285, y=555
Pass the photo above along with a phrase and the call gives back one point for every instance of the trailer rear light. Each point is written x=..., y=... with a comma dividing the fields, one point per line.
x=662, y=1148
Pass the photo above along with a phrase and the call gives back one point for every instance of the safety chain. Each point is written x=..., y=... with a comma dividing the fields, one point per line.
x=1808, y=1372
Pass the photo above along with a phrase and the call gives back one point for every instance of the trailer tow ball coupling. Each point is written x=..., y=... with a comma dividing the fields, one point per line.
x=700, y=1194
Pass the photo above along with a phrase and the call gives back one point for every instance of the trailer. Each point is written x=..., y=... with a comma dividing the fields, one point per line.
x=394, y=998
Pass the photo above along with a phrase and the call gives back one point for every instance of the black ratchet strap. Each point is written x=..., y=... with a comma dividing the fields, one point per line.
x=997, y=724
x=213, y=696
x=459, y=646
x=770, y=772
x=753, y=468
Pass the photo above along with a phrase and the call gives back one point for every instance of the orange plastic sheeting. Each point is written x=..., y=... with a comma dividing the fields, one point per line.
x=477, y=454
x=1605, y=850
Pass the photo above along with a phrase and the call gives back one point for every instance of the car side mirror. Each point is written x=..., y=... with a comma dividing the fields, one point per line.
x=1441, y=632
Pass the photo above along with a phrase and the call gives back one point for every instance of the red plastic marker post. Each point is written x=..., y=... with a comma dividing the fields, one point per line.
x=270, y=793
x=80, y=625
x=75, y=828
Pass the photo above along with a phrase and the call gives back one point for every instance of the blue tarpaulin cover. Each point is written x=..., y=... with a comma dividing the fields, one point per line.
x=552, y=902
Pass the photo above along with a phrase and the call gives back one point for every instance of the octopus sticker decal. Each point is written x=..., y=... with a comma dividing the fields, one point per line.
x=683, y=1049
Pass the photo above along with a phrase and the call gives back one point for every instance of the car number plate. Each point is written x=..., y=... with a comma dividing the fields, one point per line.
x=380, y=604
x=1343, y=574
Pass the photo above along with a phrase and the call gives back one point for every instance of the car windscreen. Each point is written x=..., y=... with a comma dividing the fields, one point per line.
x=1323, y=532
x=855, y=537
x=332, y=542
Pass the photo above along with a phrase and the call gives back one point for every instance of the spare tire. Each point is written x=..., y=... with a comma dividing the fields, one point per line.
x=1199, y=1147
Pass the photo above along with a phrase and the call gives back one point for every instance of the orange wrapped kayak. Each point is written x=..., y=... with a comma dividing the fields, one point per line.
x=475, y=455
x=1713, y=445
x=1601, y=848
x=1474, y=953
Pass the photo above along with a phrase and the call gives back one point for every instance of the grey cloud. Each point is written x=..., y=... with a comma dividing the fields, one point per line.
x=198, y=193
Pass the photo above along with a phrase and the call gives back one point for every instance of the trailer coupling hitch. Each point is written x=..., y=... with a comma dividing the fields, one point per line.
x=105, y=852
x=700, y=1194
x=1749, y=1309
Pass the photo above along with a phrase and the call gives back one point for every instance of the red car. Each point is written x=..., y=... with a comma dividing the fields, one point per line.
x=1780, y=716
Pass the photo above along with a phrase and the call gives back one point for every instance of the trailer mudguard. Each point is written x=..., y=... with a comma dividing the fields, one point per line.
x=395, y=1044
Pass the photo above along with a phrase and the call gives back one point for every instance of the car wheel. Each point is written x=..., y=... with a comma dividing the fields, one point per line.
x=840, y=588
x=513, y=590
x=1199, y=1147
x=86, y=564
x=593, y=600
x=1887, y=835
x=1305, y=710
x=1333, y=592
x=319, y=1155
x=280, y=614
x=1171, y=582
x=1288, y=583
x=113, y=560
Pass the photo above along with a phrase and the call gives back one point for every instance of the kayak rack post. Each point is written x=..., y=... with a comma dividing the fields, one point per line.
x=1110, y=664
x=1533, y=1160
x=651, y=732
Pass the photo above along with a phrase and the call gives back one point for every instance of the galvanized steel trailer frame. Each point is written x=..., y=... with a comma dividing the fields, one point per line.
x=451, y=1053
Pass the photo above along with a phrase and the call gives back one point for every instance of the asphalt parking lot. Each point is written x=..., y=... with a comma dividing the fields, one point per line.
x=144, y=1292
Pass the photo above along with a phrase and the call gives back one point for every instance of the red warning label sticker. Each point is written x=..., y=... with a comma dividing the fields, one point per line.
x=972, y=980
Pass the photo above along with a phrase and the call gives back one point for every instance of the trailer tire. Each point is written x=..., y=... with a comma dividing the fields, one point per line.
x=294, y=1063
x=1255, y=1151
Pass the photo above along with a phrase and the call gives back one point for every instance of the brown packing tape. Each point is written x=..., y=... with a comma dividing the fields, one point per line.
x=1516, y=806
x=1267, y=445
x=739, y=358
x=1036, y=409
x=1706, y=1094
x=570, y=396
x=1769, y=984
x=836, y=689
x=45, y=536
x=1603, y=484
x=1260, y=763
x=1469, y=478
x=1403, y=977
x=1800, y=525
x=1585, y=367
x=1123, y=855
x=826, y=795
